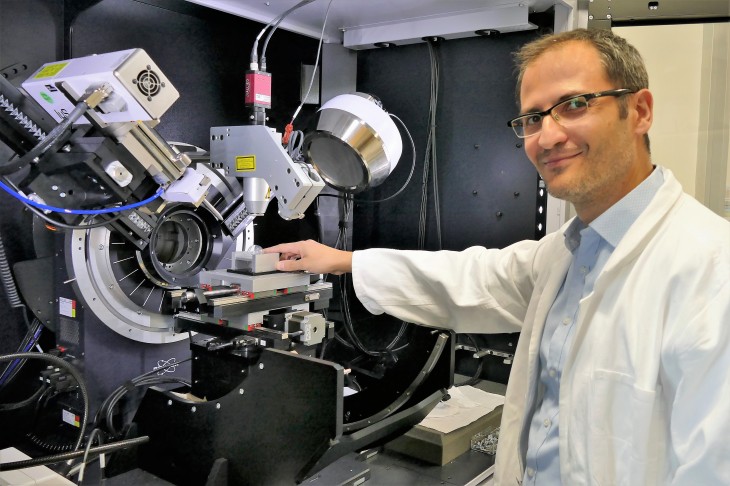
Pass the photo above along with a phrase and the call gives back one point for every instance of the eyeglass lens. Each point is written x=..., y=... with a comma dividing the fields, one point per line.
x=565, y=112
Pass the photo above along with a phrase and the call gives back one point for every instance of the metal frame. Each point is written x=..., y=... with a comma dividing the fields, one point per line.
x=603, y=14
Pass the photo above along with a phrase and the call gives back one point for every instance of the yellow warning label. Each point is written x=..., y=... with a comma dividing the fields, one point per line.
x=245, y=163
x=50, y=70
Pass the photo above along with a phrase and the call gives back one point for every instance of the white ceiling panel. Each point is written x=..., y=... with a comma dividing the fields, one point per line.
x=403, y=19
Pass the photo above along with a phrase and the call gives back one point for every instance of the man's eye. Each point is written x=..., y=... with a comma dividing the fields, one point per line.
x=575, y=104
x=532, y=120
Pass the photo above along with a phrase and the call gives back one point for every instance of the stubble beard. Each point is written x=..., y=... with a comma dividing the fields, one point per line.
x=599, y=174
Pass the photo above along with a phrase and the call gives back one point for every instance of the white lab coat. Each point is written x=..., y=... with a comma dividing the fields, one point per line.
x=645, y=393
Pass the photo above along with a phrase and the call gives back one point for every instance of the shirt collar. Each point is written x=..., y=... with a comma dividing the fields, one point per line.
x=572, y=234
x=613, y=224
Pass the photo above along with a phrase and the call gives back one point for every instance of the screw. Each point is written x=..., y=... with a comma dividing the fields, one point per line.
x=498, y=214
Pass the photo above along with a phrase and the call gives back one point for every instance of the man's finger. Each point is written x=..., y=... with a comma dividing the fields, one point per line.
x=288, y=265
x=281, y=248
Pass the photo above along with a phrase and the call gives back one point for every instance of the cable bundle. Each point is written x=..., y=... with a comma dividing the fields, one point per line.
x=105, y=414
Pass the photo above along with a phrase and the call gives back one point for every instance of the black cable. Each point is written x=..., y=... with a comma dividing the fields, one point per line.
x=42, y=147
x=55, y=458
x=11, y=369
x=475, y=378
x=344, y=299
x=106, y=410
x=62, y=225
x=109, y=416
x=338, y=196
x=6, y=407
x=430, y=159
x=55, y=360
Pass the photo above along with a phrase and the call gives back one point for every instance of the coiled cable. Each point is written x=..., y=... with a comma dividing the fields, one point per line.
x=60, y=363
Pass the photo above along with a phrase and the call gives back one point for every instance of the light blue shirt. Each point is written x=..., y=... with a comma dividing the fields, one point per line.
x=591, y=247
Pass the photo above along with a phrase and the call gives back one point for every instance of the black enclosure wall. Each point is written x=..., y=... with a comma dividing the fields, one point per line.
x=487, y=187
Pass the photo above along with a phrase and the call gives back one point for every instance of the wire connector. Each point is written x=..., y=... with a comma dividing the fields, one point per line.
x=97, y=95
x=287, y=134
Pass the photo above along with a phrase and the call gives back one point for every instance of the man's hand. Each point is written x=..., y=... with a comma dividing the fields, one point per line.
x=312, y=257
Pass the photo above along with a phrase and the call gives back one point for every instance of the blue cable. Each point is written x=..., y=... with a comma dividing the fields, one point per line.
x=9, y=370
x=80, y=211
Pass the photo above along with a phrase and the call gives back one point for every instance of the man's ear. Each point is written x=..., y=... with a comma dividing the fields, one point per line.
x=643, y=107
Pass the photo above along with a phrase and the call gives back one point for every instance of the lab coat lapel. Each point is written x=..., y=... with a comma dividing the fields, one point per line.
x=629, y=248
x=550, y=282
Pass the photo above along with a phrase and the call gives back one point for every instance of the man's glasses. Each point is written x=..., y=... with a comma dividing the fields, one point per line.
x=564, y=112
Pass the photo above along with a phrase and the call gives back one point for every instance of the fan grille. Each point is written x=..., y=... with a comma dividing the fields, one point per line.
x=148, y=83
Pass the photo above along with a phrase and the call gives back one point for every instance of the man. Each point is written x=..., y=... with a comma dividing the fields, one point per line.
x=622, y=370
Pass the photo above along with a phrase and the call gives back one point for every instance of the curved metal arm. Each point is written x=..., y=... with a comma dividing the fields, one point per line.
x=394, y=406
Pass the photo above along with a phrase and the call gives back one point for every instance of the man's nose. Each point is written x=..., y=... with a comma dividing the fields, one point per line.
x=551, y=134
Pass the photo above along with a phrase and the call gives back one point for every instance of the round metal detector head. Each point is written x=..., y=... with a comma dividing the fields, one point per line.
x=355, y=145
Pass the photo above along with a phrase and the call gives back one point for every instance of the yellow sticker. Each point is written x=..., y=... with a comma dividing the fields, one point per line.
x=245, y=163
x=50, y=70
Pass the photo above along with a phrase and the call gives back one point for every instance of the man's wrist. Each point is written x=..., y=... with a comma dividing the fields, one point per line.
x=345, y=265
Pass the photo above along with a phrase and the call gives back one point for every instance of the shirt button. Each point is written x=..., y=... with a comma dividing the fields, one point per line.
x=546, y=422
x=566, y=321
x=530, y=472
x=552, y=372
x=583, y=269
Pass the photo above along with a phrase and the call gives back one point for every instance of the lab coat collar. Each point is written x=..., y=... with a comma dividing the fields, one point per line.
x=647, y=223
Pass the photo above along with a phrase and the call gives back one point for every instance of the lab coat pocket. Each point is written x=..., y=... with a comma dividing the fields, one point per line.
x=620, y=422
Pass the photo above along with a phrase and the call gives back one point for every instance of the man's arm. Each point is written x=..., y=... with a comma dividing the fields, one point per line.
x=310, y=256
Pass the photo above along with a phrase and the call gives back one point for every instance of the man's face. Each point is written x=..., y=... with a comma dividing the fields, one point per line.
x=590, y=162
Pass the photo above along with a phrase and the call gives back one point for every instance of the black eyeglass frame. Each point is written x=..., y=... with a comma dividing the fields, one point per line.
x=588, y=96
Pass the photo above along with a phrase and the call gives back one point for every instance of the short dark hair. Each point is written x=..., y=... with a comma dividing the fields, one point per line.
x=623, y=64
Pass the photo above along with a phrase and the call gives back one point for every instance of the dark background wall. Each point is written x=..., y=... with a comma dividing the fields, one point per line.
x=481, y=165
